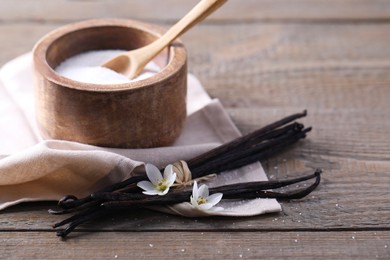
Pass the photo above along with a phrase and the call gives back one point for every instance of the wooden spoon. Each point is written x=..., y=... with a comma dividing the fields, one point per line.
x=131, y=63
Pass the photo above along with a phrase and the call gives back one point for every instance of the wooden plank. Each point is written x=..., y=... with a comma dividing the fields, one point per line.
x=339, y=134
x=287, y=61
x=197, y=245
x=21, y=38
x=171, y=10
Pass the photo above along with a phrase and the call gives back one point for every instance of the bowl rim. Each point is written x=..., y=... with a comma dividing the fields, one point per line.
x=173, y=66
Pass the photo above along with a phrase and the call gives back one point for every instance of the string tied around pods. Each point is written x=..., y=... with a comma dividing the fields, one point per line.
x=184, y=176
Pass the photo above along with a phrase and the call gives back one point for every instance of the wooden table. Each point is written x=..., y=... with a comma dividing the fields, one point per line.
x=263, y=59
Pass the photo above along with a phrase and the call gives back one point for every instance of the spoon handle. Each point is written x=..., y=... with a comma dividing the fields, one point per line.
x=210, y=10
x=198, y=13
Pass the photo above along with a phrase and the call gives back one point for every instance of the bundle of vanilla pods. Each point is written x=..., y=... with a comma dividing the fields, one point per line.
x=256, y=146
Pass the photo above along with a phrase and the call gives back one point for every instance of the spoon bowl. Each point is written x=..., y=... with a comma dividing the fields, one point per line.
x=132, y=63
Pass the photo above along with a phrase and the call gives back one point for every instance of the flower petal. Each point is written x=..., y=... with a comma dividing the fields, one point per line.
x=214, y=198
x=168, y=171
x=153, y=173
x=146, y=185
x=170, y=179
x=194, y=202
x=195, y=191
x=205, y=206
x=203, y=191
x=151, y=192
x=163, y=192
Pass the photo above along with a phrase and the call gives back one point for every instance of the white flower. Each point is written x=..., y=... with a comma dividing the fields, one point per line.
x=200, y=198
x=158, y=185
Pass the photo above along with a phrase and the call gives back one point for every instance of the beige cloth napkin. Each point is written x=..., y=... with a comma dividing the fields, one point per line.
x=32, y=169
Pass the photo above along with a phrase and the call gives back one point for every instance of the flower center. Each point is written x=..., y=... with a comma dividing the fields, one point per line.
x=161, y=185
x=201, y=200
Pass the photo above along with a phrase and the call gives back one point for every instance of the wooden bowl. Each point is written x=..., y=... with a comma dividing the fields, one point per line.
x=145, y=113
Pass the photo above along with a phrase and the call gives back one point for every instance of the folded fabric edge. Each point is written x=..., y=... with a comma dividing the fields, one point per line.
x=185, y=209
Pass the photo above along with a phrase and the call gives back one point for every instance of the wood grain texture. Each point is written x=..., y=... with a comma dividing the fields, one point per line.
x=172, y=10
x=263, y=59
x=197, y=245
x=313, y=66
